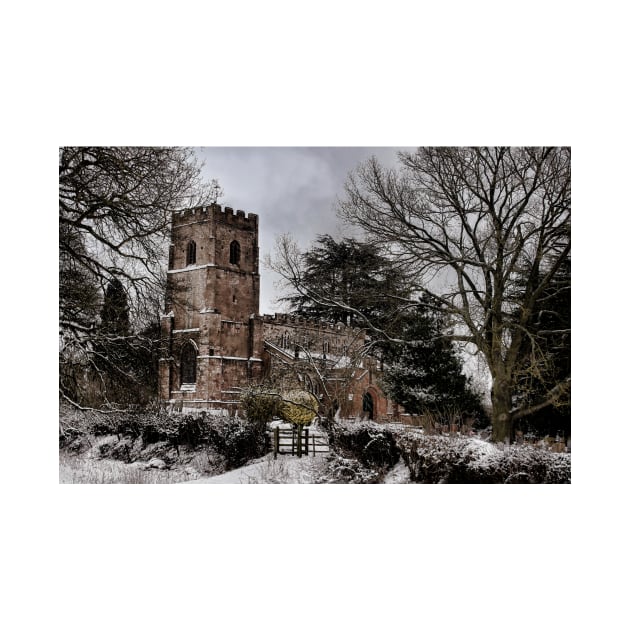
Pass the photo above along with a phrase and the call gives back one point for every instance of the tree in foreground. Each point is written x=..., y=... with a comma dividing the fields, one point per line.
x=114, y=214
x=485, y=232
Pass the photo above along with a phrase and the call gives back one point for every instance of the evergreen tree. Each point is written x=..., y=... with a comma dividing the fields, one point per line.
x=426, y=373
x=348, y=273
x=548, y=359
x=115, y=313
x=124, y=363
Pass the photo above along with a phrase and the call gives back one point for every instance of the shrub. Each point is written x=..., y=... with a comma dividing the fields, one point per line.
x=298, y=407
x=347, y=470
x=437, y=459
x=237, y=440
x=370, y=443
x=260, y=403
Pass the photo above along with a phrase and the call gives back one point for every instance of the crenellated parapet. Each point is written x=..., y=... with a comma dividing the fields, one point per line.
x=219, y=213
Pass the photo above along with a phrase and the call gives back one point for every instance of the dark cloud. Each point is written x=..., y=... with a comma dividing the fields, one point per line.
x=292, y=189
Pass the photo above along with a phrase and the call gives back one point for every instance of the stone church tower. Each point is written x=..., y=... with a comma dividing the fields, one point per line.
x=211, y=335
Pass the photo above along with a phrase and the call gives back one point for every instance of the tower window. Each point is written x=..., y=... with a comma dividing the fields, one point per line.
x=235, y=253
x=189, y=364
x=191, y=253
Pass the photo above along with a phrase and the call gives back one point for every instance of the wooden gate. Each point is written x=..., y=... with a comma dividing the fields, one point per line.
x=285, y=441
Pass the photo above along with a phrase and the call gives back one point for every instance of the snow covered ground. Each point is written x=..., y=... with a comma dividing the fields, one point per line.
x=284, y=469
x=290, y=469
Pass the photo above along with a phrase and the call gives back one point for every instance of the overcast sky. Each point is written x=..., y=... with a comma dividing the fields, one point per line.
x=292, y=189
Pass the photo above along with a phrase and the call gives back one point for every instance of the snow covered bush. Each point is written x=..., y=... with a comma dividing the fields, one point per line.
x=438, y=459
x=237, y=440
x=347, y=470
x=369, y=442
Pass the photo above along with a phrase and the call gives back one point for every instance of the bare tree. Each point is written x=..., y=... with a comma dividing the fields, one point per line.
x=485, y=232
x=115, y=206
x=329, y=376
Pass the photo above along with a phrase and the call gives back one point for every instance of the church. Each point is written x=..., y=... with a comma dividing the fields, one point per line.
x=214, y=342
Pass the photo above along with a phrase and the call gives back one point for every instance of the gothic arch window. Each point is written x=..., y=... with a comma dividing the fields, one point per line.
x=235, y=253
x=189, y=364
x=191, y=253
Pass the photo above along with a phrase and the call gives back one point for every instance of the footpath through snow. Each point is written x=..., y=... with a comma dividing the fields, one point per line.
x=290, y=469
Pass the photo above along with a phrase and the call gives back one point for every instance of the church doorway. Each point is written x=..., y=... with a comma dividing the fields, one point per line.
x=368, y=406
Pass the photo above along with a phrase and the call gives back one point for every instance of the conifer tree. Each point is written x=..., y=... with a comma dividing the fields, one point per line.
x=115, y=313
x=348, y=273
x=547, y=357
x=426, y=373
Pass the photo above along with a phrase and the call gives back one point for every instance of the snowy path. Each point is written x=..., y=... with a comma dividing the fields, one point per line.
x=288, y=469
x=285, y=469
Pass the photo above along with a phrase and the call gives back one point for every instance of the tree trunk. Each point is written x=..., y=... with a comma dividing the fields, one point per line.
x=502, y=425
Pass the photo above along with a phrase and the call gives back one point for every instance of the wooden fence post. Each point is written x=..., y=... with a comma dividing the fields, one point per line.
x=306, y=441
x=276, y=442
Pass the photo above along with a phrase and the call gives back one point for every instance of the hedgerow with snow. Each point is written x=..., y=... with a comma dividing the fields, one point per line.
x=439, y=459
x=235, y=439
x=369, y=442
x=451, y=459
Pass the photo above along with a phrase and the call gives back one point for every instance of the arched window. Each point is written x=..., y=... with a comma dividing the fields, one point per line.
x=191, y=253
x=235, y=253
x=189, y=364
